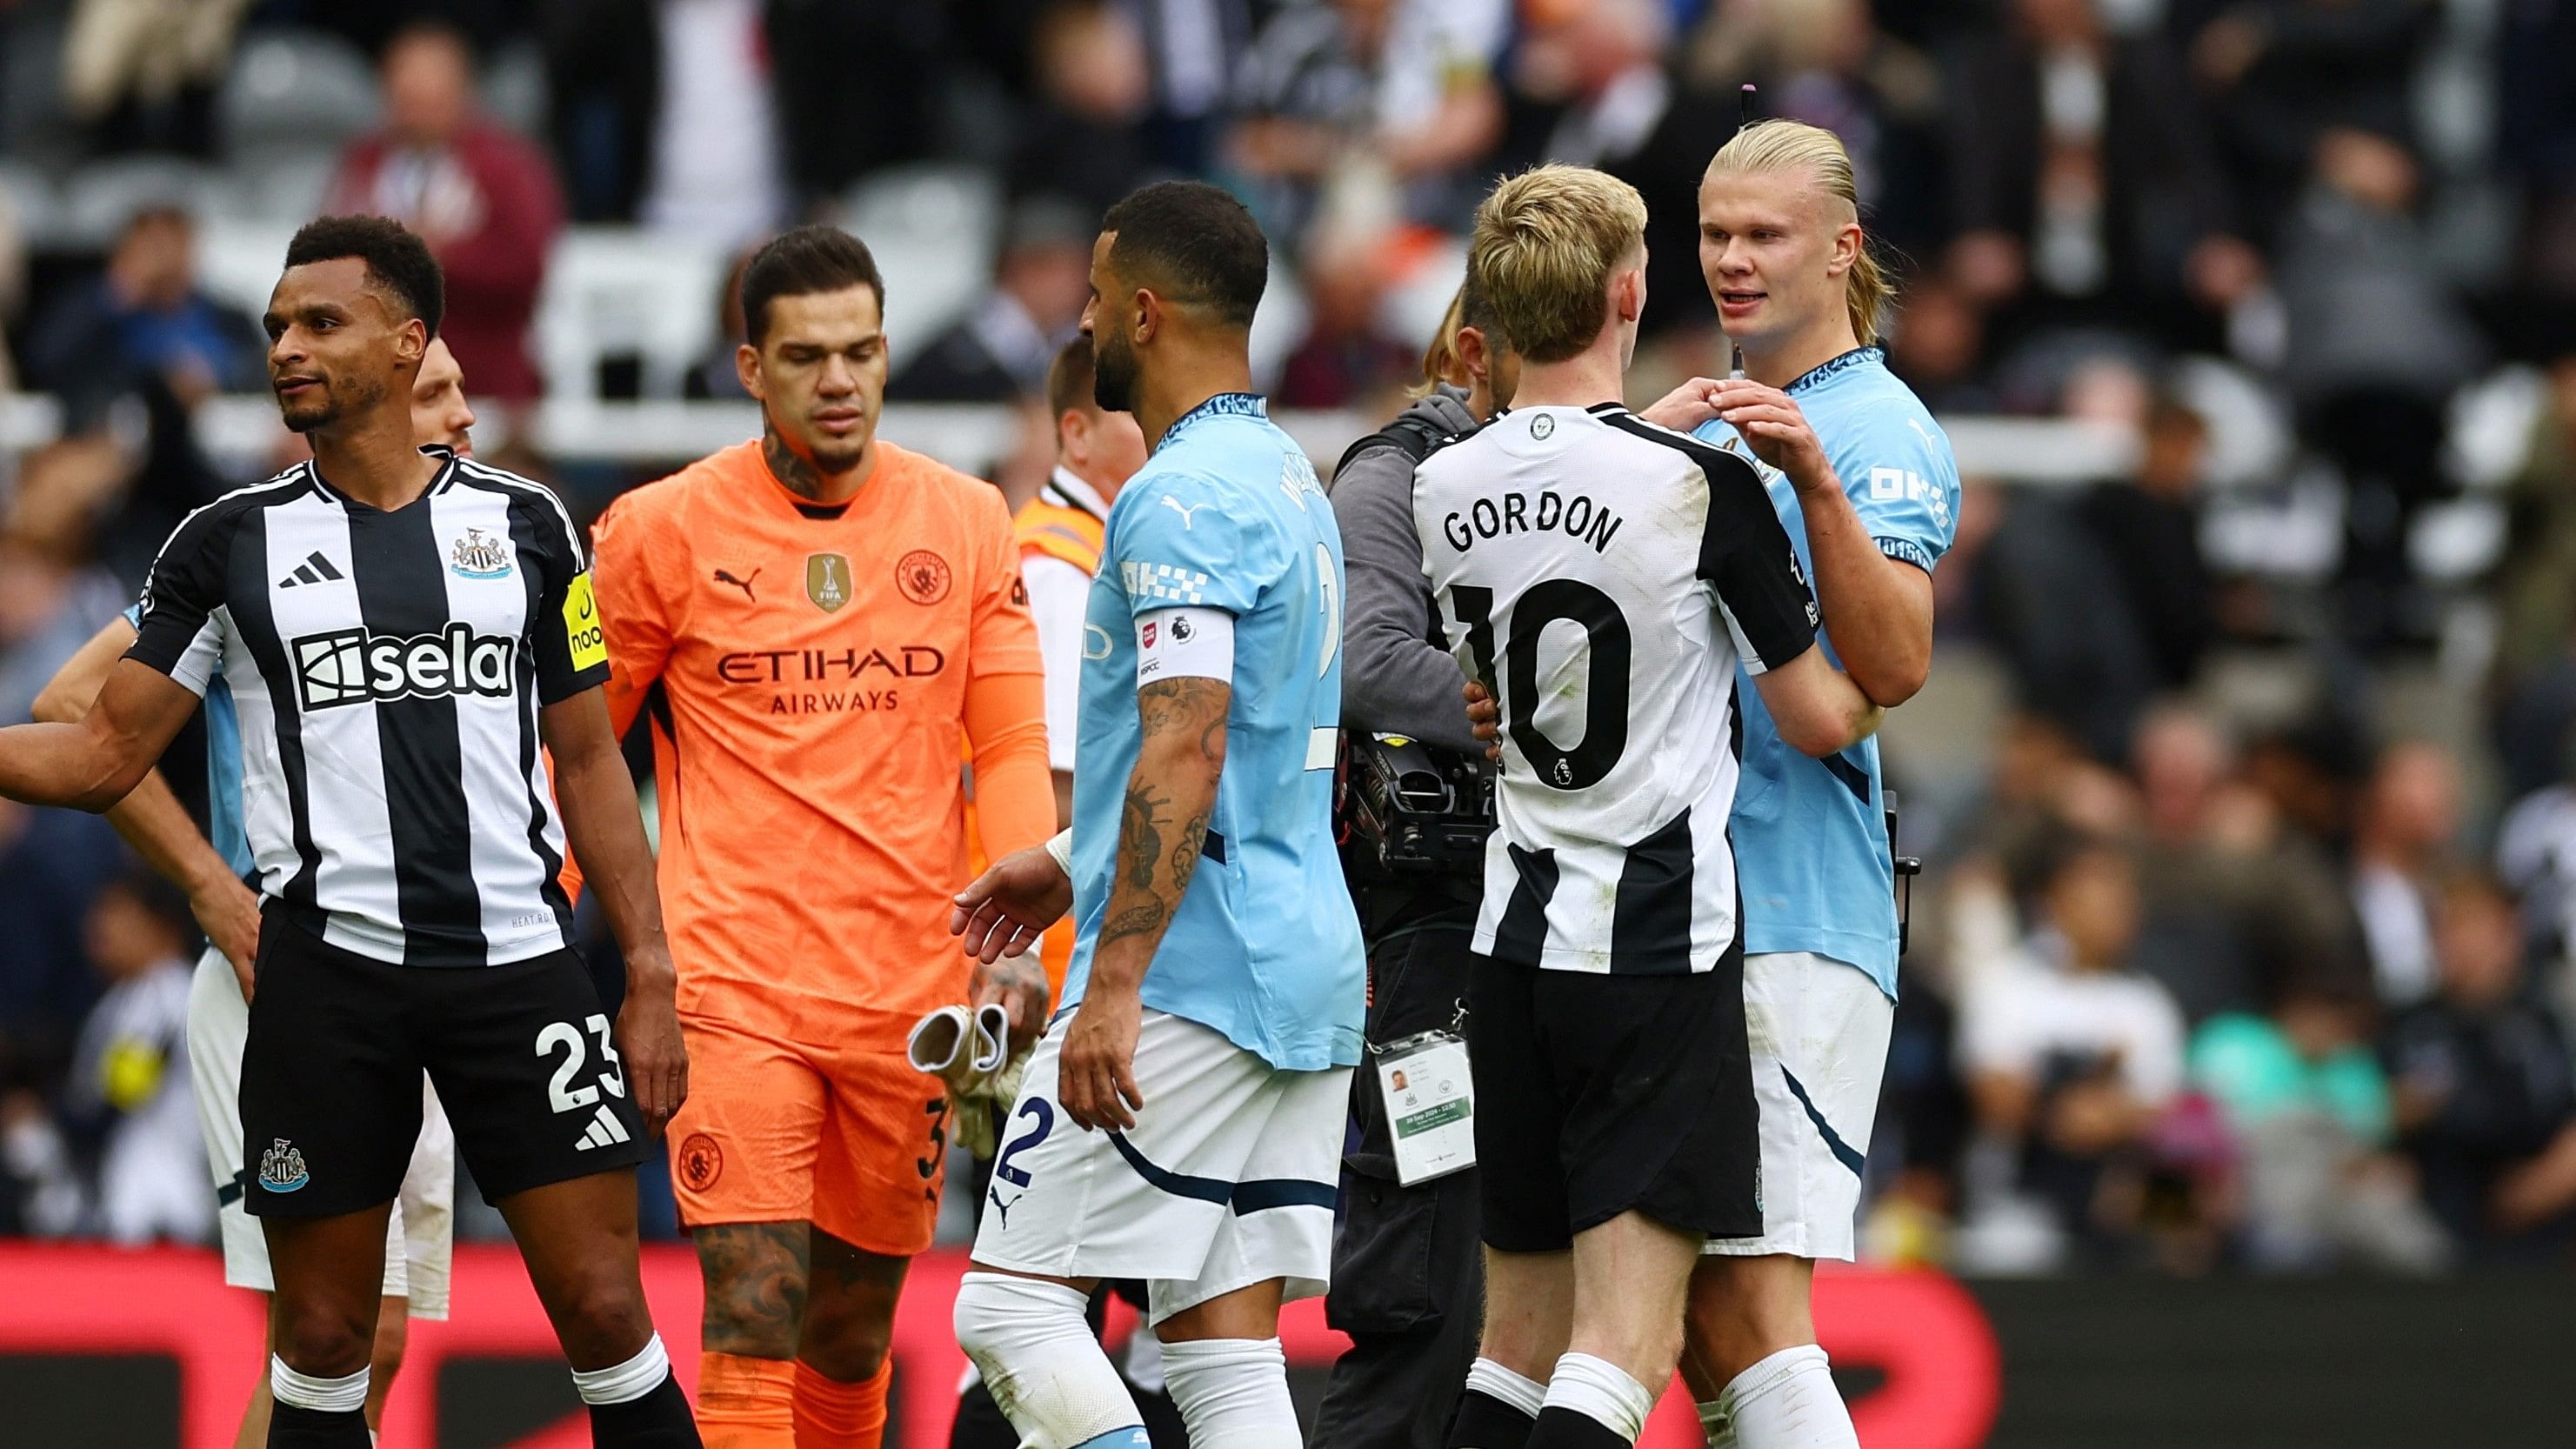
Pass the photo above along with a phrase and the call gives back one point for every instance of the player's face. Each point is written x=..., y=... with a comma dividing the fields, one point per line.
x=1773, y=252
x=820, y=374
x=335, y=343
x=439, y=412
x=1110, y=445
x=1108, y=319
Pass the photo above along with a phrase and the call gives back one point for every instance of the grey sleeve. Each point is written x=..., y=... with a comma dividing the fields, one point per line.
x=1394, y=679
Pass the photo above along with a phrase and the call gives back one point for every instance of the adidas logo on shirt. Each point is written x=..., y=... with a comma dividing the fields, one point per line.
x=314, y=570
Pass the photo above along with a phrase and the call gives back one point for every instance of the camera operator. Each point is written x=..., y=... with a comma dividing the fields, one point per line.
x=1408, y=1280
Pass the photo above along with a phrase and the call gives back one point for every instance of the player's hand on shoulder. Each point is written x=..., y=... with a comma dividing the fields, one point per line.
x=1096, y=1070
x=1486, y=718
x=228, y=912
x=1003, y=911
x=648, y=1038
x=1777, y=431
x=1686, y=407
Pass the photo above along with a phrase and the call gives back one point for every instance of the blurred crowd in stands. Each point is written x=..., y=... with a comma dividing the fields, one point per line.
x=2244, y=779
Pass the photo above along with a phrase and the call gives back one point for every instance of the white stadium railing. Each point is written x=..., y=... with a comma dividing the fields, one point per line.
x=241, y=431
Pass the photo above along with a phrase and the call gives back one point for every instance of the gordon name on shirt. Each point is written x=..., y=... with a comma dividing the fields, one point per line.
x=1550, y=512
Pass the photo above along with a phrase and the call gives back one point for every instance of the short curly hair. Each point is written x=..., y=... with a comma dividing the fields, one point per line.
x=398, y=261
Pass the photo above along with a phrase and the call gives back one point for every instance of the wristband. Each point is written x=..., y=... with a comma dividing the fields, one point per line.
x=1060, y=846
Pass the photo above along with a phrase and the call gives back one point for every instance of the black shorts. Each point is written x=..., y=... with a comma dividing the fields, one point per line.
x=330, y=1082
x=1599, y=1094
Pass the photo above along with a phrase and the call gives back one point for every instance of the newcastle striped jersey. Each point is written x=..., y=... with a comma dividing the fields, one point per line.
x=1601, y=575
x=388, y=669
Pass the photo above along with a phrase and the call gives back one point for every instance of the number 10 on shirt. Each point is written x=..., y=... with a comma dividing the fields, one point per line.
x=1515, y=690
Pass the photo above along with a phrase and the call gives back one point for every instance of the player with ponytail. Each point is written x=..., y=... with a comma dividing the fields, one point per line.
x=1866, y=487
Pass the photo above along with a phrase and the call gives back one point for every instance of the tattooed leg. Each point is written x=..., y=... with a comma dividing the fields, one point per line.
x=756, y=1278
x=849, y=1315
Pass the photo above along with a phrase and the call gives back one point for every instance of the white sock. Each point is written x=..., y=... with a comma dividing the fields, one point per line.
x=1788, y=1401
x=1716, y=1425
x=628, y=1381
x=1500, y=1384
x=326, y=1396
x=1232, y=1393
x=1046, y=1371
x=1601, y=1391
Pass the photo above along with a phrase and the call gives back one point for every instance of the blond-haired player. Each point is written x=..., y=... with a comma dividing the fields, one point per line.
x=1603, y=576
x=1865, y=485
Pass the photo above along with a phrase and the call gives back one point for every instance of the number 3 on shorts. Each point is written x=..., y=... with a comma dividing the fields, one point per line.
x=569, y=1098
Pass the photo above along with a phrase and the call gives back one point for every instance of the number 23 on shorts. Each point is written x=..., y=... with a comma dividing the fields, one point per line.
x=560, y=1092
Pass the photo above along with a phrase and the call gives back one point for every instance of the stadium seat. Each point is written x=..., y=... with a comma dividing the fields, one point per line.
x=2490, y=426
x=932, y=228
x=1279, y=325
x=35, y=125
x=238, y=260
x=296, y=86
x=100, y=198
x=35, y=207
x=615, y=292
x=2250, y=438
x=514, y=88
x=281, y=181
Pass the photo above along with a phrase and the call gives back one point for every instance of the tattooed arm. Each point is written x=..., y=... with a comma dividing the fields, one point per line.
x=1170, y=796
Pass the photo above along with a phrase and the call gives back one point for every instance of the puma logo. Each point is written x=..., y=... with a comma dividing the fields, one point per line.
x=994, y=1194
x=1175, y=505
x=724, y=577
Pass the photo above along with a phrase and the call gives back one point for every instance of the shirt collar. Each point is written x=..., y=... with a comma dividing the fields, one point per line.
x=1822, y=372
x=1074, y=493
x=439, y=482
x=1237, y=404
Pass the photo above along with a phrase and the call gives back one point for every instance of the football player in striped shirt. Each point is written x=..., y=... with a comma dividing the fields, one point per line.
x=211, y=867
x=408, y=848
x=1603, y=576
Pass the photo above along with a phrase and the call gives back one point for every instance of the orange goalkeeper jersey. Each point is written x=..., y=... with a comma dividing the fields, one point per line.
x=808, y=672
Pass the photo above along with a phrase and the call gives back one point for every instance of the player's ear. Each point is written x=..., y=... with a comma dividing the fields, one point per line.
x=1149, y=316
x=1847, y=245
x=746, y=366
x=1073, y=434
x=1473, y=357
x=411, y=342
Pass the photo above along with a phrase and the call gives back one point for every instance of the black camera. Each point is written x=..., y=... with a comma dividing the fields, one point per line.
x=1414, y=808
x=1907, y=867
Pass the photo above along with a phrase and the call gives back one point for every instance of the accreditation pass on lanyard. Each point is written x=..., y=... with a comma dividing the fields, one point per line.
x=1430, y=1105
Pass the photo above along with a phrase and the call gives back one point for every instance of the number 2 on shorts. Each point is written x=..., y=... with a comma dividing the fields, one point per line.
x=1044, y=1112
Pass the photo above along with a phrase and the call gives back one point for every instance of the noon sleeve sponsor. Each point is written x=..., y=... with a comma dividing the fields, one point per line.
x=583, y=637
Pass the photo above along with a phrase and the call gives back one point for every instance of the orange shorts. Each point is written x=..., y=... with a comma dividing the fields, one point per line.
x=850, y=1140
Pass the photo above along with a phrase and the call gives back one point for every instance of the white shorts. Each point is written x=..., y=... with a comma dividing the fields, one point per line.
x=1227, y=1180
x=1818, y=1029
x=420, y=1236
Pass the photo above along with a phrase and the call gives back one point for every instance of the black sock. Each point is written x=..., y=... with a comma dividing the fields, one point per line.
x=1559, y=1427
x=293, y=1426
x=1486, y=1422
x=659, y=1420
